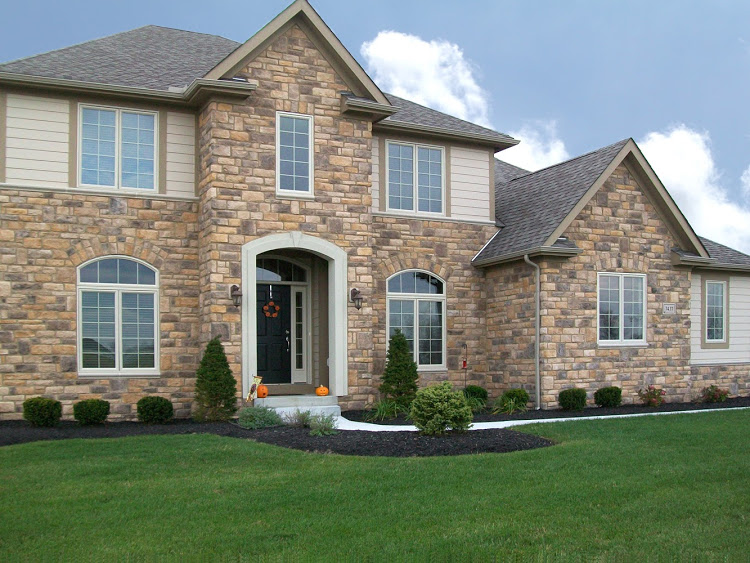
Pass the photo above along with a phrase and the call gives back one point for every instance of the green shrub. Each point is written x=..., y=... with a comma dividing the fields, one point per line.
x=476, y=391
x=40, y=411
x=572, y=399
x=154, y=410
x=322, y=425
x=511, y=401
x=437, y=408
x=608, y=397
x=91, y=411
x=713, y=394
x=298, y=418
x=475, y=403
x=400, y=377
x=652, y=396
x=258, y=417
x=215, y=387
x=386, y=409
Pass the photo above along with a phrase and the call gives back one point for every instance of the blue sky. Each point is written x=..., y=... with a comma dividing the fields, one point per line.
x=565, y=77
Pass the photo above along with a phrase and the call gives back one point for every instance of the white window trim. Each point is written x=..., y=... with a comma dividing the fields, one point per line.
x=725, y=306
x=622, y=342
x=310, y=194
x=118, y=149
x=118, y=289
x=415, y=191
x=418, y=297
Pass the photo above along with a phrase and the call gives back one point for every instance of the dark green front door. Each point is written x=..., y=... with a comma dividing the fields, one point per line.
x=274, y=333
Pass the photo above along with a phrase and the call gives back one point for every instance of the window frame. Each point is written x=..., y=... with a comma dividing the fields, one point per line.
x=621, y=342
x=416, y=298
x=415, y=175
x=117, y=288
x=724, y=282
x=118, y=148
x=295, y=194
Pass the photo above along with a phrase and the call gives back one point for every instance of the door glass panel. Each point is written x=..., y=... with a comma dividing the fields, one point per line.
x=299, y=361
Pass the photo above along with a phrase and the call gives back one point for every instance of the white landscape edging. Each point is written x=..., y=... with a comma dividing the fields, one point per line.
x=346, y=424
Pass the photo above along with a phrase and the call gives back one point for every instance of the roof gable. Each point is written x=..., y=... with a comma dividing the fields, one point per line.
x=301, y=13
x=536, y=208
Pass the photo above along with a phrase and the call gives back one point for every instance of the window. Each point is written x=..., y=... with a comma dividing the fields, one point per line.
x=407, y=162
x=117, y=148
x=622, y=309
x=416, y=307
x=715, y=313
x=117, y=318
x=294, y=154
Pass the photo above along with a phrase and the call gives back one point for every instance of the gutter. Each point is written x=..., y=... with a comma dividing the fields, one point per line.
x=191, y=95
x=475, y=138
x=536, y=251
x=538, y=381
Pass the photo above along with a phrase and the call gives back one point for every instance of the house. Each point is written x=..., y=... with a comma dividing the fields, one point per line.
x=161, y=187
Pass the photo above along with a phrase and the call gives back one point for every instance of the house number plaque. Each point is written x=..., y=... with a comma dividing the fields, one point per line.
x=668, y=308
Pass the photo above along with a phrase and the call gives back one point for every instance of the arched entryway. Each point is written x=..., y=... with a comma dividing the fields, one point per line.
x=301, y=344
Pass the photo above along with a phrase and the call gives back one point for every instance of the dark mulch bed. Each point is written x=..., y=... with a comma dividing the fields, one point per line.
x=346, y=442
x=360, y=416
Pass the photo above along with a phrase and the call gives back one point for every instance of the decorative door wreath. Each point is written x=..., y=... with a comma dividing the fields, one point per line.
x=271, y=309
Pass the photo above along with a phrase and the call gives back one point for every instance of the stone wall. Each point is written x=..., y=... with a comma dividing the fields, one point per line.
x=44, y=237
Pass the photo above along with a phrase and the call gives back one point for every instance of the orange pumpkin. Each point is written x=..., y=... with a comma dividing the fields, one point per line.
x=321, y=391
x=262, y=391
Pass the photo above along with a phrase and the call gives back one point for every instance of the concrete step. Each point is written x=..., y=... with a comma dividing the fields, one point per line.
x=289, y=404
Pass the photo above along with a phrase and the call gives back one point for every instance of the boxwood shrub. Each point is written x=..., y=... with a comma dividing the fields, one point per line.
x=91, y=411
x=608, y=397
x=476, y=391
x=572, y=399
x=40, y=411
x=155, y=410
x=437, y=408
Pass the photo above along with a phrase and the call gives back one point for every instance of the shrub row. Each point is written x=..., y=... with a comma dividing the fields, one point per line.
x=41, y=411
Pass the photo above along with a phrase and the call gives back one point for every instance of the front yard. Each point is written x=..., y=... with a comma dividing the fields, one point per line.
x=655, y=487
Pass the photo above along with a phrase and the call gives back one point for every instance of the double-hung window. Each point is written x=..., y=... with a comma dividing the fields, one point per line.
x=118, y=306
x=716, y=312
x=416, y=307
x=294, y=154
x=117, y=148
x=415, y=178
x=622, y=309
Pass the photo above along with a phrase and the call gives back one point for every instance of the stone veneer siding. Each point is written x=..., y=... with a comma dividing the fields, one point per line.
x=44, y=237
x=620, y=231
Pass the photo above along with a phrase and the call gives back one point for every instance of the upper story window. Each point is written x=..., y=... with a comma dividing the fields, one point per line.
x=117, y=318
x=716, y=312
x=117, y=148
x=622, y=309
x=294, y=154
x=416, y=307
x=413, y=166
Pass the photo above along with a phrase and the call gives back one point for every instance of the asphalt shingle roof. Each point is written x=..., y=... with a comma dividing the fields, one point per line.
x=148, y=57
x=533, y=205
x=724, y=254
x=505, y=172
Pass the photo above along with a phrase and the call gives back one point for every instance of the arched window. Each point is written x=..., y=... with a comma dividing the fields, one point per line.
x=416, y=307
x=118, y=311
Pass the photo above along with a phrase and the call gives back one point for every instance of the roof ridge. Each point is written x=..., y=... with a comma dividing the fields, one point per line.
x=185, y=31
x=622, y=142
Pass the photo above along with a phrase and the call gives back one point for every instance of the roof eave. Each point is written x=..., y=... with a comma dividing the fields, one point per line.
x=475, y=138
x=536, y=251
x=700, y=263
x=194, y=94
x=371, y=108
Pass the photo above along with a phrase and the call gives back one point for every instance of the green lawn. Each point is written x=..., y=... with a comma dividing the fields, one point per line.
x=655, y=487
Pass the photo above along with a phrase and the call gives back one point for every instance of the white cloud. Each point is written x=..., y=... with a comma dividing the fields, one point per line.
x=683, y=160
x=745, y=179
x=432, y=73
x=539, y=147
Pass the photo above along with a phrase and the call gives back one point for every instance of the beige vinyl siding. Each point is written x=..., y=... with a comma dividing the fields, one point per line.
x=469, y=184
x=375, y=174
x=739, y=324
x=37, y=141
x=180, y=159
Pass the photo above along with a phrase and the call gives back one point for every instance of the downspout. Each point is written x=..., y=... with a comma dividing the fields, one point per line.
x=538, y=330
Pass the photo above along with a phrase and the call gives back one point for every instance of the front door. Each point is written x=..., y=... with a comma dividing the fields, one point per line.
x=274, y=333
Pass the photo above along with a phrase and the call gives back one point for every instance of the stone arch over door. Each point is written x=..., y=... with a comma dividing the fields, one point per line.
x=337, y=303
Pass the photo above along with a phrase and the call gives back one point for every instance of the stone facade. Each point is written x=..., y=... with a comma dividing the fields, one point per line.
x=45, y=236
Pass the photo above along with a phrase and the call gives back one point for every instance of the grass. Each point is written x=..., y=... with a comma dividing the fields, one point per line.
x=649, y=488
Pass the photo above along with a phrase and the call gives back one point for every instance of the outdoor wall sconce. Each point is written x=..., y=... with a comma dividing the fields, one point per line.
x=356, y=297
x=236, y=294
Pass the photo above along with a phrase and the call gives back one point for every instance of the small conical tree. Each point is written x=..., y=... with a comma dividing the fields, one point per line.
x=400, y=377
x=215, y=387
